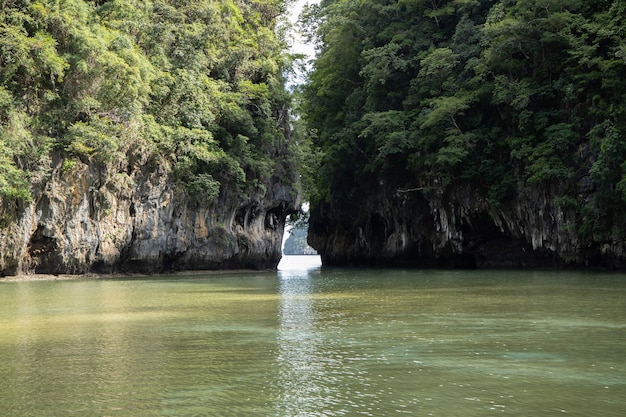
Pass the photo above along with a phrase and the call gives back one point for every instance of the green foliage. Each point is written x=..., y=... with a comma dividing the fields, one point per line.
x=22, y=153
x=68, y=165
x=197, y=83
x=203, y=188
x=13, y=181
x=100, y=137
x=504, y=95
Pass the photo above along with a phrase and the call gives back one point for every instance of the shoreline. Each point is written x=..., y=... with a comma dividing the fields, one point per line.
x=130, y=275
x=134, y=275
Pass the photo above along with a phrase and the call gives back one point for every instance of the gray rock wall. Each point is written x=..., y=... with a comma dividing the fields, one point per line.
x=455, y=227
x=97, y=218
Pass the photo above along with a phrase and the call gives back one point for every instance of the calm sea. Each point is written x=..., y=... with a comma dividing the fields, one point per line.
x=309, y=341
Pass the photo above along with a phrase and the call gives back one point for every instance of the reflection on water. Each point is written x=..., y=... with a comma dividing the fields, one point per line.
x=298, y=265
x=311, y=341
x=450, y=343
x=300, y=361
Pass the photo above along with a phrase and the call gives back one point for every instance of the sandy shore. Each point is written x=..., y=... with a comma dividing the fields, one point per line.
x=68, y=277
x=45, y=277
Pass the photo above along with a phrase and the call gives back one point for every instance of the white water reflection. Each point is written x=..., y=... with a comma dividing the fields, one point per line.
x=295, y=265
x=302, y=369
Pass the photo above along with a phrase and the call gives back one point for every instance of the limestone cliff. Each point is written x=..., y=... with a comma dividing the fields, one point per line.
x=106, y=218
x=455, y=227
x=144, y=138
x=495, y=137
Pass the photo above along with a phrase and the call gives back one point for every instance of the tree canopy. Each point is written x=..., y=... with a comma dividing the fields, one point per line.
x=505, y=95
x=195, y=86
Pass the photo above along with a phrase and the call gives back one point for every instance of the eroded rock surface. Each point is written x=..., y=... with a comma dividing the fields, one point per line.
x=456, y=227
x=99, y=218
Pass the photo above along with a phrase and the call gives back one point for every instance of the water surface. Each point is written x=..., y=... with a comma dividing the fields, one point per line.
x=306, y=341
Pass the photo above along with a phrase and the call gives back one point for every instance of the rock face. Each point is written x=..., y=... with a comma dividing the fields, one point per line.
x=97, y=218
x=455, y=228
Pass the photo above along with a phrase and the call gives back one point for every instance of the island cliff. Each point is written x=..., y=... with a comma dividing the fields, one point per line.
x=468, y=133
x=144, y=136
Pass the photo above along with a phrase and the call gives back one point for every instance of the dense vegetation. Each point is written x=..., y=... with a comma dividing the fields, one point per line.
x=195, y=86
x=504, y=95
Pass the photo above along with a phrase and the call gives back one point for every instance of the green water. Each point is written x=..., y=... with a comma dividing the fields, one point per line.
x=316, y=343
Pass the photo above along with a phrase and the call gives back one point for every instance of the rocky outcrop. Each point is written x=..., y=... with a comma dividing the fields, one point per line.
x=456, y=227
x=103, y=218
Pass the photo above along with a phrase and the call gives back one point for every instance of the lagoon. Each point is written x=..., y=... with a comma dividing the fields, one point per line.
x=311, y=341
